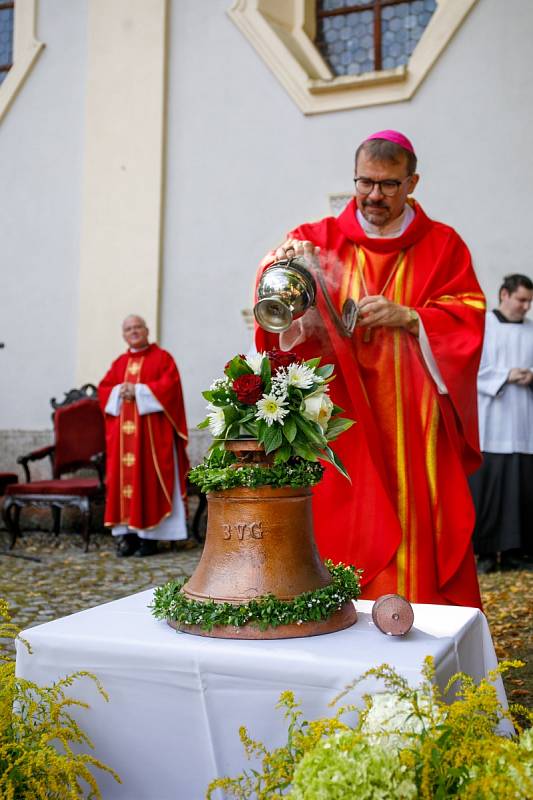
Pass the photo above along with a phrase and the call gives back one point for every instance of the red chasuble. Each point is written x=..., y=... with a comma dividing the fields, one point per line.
x=140, y=456
x=407, y=517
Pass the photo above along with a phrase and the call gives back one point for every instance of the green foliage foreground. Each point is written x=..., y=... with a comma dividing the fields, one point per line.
x=37, y=732
x=407, y=744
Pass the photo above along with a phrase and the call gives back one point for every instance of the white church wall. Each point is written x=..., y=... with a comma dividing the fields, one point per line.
x=40, y=162
x=244, y=165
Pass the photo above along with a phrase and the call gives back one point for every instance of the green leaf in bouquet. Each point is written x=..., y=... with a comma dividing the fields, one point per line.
x=266, y=375
x=289, y=428
x=336, y=426
x=250, y=428
x=203, y=424
x=326, y=371
x=208, y=395
x=233, y=431
x=305, y=451
x=333, y=458
x=311, y=430
x=262, y=428
x=336, y=410
x=282, y=454
x=273, y=438
x=237, y=367
x=248, y=416
x=231, y=414
x=312, y=363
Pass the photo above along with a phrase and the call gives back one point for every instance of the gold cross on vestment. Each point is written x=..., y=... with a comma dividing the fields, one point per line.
x=128, y=427
x=128, y=459
x=127, y=491
x=134, y=367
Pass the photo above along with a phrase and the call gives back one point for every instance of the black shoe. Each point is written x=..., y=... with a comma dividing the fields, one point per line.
x=487, y=564
x=509, y=562
x=148, y=548
x=128, y=545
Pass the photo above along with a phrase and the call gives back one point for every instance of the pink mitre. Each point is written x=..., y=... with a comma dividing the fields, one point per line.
x=393, y=136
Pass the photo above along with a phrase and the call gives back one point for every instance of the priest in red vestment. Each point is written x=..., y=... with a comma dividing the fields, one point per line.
x=146, y=436
x=407, y=375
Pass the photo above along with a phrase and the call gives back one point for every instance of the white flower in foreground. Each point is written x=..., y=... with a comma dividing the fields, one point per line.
x=391, y=718
x=318, y=408
x=271, y=409
x=254, y=362
x=301, y=376
x=217, y=420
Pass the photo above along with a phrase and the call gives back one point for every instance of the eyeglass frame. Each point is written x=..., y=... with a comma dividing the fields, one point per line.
x=397, y=183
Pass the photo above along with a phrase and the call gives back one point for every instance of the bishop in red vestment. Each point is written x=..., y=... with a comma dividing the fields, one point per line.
x=407, y=375
x=146, y=435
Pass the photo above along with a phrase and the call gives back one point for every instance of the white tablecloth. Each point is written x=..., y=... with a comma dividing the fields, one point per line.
x=177, y=701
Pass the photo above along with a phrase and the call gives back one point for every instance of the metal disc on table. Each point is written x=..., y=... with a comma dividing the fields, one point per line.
x=393, y=614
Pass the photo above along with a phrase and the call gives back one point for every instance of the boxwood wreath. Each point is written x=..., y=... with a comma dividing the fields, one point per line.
x=268, y=611
x=216, y=473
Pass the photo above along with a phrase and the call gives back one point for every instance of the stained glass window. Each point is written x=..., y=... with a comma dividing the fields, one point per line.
x=357, y=36
x=6, y=38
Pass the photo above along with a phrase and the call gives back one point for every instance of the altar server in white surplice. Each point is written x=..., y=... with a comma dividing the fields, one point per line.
x=503, y=486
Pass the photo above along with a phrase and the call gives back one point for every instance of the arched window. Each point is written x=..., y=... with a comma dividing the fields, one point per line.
x=6, y=38
x=358, y=36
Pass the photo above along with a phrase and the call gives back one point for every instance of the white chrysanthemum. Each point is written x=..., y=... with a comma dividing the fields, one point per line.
x=254, y=362
x=271, y=409
x=301, y=376
x=217, y=420
x=318, y=408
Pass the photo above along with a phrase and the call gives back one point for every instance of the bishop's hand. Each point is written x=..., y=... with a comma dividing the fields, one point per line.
x=293, y=247
x=376, y=310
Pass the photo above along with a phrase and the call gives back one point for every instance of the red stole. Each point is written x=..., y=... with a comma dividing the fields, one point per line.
x=407, y=519
x=140, y=454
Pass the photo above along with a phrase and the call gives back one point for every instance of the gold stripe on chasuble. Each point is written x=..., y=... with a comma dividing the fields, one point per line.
x=156, y=462
x=347, y=274
x=358, y=257
x=472, y=299
x=431, y=436
x=128, y=431
x=398, y=287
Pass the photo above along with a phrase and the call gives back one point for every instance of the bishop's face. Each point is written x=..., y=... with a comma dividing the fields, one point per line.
x=515, y=305
x=135, y=333
x=375, y=207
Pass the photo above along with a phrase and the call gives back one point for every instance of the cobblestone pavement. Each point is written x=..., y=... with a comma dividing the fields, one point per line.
x=66, y=579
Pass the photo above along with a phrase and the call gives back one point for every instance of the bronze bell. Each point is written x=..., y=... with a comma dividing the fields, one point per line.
x=260, y=541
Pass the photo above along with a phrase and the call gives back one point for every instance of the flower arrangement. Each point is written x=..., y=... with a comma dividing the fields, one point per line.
x=37, y=735
x=406, y=744
x=282, y=402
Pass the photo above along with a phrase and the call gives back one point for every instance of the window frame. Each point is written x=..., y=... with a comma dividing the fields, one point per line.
x=26, y=50
x=283, y=31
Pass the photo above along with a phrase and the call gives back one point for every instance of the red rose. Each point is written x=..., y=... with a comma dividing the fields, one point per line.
x=278, y=358
x=248, y=389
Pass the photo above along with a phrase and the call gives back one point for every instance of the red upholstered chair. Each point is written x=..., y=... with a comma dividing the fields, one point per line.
x=79, y=443
x=5, y=479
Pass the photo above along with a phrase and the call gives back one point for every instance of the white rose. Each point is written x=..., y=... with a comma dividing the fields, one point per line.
x=318, y=408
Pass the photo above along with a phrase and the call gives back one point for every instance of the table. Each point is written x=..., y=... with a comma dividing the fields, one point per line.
x=177, y=700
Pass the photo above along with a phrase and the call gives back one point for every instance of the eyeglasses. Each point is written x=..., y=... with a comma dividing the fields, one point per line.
x=388, y=187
